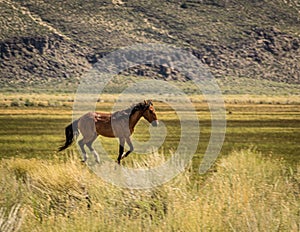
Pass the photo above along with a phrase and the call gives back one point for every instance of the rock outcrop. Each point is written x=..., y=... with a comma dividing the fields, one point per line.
x=28, y=59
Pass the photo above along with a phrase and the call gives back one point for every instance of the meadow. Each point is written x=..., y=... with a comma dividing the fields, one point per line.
x=33, y=124
x=253, y=186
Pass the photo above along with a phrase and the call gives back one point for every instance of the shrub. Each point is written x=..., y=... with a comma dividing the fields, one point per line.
x=28, y=103
x=15, y=103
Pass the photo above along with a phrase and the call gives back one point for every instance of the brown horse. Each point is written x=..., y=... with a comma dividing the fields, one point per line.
x=119, y=124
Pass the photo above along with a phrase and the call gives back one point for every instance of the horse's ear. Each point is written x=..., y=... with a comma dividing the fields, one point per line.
x=147, y=103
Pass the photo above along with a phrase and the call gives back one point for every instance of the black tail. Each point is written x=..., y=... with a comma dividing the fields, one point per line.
x=70, y=131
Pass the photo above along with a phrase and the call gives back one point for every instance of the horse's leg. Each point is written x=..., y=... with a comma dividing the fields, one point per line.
x=121, y=149
x=89, y=145
x=86, y=125
x=81, y=145
x=128, y=141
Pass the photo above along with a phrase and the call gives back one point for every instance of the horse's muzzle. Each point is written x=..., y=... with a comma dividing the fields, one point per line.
x=154, y=123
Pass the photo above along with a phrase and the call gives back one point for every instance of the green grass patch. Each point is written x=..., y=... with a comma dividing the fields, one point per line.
x=269, y=124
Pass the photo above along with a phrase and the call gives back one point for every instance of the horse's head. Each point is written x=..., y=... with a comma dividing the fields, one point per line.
x=149, y=113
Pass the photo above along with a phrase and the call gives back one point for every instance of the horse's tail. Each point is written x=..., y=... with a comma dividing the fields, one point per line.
x=71, y=131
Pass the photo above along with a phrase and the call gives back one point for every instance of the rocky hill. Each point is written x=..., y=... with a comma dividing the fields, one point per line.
x=42, y=40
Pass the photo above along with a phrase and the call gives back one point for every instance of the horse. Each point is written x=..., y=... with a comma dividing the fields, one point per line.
x=119, y=124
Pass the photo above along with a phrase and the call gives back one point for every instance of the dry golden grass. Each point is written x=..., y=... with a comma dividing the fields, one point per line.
x=246, y=192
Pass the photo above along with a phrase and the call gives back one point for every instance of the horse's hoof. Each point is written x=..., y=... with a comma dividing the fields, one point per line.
x=123, y=156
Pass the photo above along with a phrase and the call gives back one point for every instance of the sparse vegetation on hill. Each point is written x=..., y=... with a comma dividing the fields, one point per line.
x=42, y=40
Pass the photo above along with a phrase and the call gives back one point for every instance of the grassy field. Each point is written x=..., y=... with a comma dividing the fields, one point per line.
x=271, y=124
x=44, y=190
x=246, y=192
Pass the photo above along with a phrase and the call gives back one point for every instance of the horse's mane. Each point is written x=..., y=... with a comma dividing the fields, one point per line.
x=129, y=111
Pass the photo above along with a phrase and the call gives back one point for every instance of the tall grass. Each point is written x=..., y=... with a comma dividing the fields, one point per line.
x=244, y=192
x=12, y=221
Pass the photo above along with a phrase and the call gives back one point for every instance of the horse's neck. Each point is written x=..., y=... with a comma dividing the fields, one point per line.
x=134, y=118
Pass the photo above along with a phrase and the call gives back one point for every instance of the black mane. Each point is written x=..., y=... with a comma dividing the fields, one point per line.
x=129, y=111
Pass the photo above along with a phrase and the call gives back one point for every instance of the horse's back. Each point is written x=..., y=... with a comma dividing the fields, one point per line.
x=103, y=124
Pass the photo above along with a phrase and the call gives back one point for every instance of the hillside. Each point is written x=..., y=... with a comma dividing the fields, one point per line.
x=46, y=40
